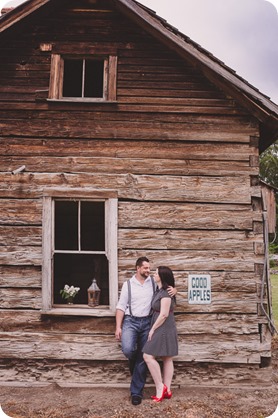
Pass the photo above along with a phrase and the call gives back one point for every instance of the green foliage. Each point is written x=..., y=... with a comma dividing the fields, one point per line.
x=269, y=174
x=273, y=248
x=269, y=165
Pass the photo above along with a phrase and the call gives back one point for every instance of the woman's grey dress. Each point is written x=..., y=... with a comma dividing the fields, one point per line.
x=164, y=341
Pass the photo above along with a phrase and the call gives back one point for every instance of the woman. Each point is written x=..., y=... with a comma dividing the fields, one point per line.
x=163, y=338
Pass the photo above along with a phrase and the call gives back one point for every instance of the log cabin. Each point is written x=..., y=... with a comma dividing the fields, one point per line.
x=122, y=137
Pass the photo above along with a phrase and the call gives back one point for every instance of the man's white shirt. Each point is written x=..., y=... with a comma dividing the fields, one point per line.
x=141, y=297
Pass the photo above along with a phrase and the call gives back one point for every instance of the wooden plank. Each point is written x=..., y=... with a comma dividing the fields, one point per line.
x=187, y=324
x=188, y=239
x=20, y=211
x=20, y=298
x=47, y=253
x=170, y=101
x=195, y=260
x=186, y=216
x=21, y=235
x=221, y=123
x=34, y=321
x=20, y=276
x=194, y=92
x=112, y=80
x=81, y=373
x=216, y=324
x=125, y=149
x=141, y=131
x=132, y=107
x=111, y=231
x=245, y=349
x=128, y=108
x=222, y=302
x=159, y=188
x=21, y=255
x=55, y=76
x=75, y=164
x=150, y=215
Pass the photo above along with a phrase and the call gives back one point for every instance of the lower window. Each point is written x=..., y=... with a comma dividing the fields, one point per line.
x=79, y=245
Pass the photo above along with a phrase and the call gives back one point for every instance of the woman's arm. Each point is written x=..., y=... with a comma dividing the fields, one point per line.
x=165, y=304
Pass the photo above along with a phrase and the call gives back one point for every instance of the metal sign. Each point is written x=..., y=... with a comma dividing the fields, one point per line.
x=199, y=289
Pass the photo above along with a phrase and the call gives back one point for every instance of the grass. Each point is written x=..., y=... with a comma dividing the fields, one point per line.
x=274, y=283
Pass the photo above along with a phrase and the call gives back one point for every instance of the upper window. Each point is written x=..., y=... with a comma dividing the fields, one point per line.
x=83, y=78
x=75, y=78
x=79, y=245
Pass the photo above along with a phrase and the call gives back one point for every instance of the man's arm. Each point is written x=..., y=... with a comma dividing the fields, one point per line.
x=120, y=311
x=119, y=320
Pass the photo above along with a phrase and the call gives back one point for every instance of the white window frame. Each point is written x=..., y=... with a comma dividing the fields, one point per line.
x=111, y=250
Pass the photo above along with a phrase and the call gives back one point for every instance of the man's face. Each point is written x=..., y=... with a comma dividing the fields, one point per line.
x=144, y=270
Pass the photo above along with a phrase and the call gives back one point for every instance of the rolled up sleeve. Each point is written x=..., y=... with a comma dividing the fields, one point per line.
x=123, y=301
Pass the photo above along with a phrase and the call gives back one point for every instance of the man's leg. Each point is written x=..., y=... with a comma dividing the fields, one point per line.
x=129, y=340
x=130, y=332
x=134, y=335
x=140, y=368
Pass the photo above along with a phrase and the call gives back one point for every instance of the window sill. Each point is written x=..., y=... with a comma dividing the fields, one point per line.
x=78, y=310
x=80, y=100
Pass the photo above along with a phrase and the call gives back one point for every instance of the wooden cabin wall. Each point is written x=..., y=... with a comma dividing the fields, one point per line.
x=184, y=160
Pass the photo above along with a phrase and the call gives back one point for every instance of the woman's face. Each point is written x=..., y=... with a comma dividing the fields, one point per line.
x=156, y=277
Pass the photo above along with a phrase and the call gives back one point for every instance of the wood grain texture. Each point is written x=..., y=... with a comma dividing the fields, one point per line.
x=181, y=157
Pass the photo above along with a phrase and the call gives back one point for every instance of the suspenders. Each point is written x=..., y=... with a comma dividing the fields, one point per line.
x=129, y=293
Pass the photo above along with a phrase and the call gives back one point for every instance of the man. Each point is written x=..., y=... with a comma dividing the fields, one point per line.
x=133, y=321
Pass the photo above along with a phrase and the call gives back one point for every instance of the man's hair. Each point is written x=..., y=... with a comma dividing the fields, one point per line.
x=140, y=261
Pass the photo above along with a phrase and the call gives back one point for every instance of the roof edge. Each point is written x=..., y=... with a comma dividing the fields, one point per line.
x=178, y=42
x=20, y=12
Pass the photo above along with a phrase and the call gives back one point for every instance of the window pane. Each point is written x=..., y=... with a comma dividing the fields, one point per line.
x=73, y=70
x=66, y=225
x=79, y=270
x=93, y=78
x=92, y=226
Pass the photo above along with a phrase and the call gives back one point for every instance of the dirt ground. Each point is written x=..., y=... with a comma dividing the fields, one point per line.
x=54, y=401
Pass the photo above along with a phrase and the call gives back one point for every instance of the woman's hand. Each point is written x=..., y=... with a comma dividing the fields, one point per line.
x=150, y=334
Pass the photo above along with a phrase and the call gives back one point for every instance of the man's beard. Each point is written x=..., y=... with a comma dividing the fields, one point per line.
x=145, y=275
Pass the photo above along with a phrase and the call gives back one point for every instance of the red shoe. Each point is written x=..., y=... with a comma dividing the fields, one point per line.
x=168, y=394
x=164, y=392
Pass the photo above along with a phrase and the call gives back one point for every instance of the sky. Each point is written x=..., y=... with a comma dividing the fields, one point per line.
x=241, y=33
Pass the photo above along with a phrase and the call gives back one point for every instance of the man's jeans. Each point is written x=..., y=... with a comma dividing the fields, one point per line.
x=135, y=333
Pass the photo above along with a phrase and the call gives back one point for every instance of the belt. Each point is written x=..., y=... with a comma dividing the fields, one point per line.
x=139, y=317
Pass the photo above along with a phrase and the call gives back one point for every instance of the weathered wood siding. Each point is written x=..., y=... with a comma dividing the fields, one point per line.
x=183, y=158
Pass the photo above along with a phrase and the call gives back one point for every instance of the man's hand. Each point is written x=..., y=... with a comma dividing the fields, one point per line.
x=119, y=321
x=118, y=334
x=172, y=291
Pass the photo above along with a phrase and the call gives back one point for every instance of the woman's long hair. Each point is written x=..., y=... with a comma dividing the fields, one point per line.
x=167, y=277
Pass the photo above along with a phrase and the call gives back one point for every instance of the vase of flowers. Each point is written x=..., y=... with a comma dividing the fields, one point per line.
x=69, y=293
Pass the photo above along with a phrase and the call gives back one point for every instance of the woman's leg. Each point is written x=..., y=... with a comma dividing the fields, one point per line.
x=155, y=371
x=168, y=371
